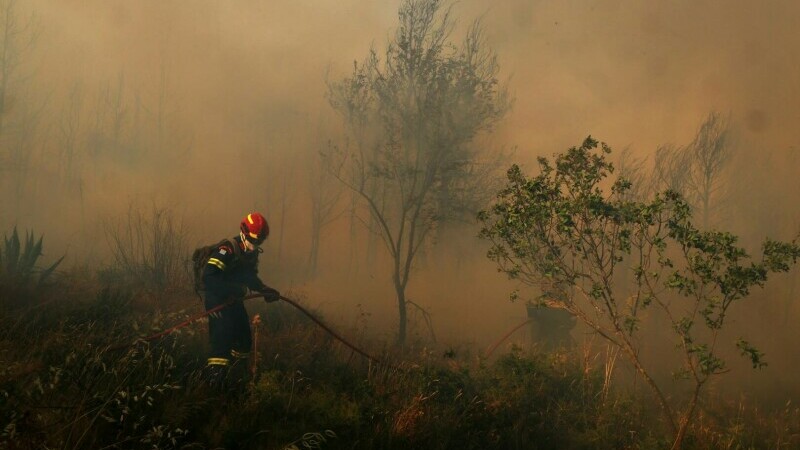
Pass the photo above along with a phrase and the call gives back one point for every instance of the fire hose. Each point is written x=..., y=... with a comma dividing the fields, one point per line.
x=491, y=349
x=296, y=305
x=213, y=310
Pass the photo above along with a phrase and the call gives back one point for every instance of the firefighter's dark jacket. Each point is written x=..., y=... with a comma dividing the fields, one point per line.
x=230, y=272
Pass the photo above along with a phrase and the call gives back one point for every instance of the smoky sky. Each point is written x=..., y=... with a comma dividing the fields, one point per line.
x=239, y=89
x=629, y=72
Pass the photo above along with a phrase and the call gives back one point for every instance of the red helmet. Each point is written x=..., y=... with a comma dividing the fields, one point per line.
x=254, y=228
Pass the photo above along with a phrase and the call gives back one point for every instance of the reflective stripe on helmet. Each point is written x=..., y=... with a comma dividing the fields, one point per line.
x=254, y=227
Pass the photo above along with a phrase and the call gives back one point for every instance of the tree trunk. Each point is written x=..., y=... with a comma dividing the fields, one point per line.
x=401, y=309
x=283, y=219
x=372, y=244
x=683, y=426
x=2, y=105
x=662, y=400
x=313, y=257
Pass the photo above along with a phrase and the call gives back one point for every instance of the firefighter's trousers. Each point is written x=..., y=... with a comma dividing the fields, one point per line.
x=228, y=330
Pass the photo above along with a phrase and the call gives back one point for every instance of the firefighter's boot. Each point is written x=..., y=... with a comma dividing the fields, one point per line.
x=216, y=373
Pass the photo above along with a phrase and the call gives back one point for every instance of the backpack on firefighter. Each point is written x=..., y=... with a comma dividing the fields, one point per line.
x=253, y=230
x=200, y=258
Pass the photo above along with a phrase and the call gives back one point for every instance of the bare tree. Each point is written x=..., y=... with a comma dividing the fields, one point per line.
x=631, y=168
x=696, y=170
x=353, y=101
x=112, y=127
x=70, y=129
x=18, y=37
x=419, y=111
x=710, y=153
x=118, y=108
x=162, y=133
x=162, y=105
x=23, y=141
x=671, y=169
x=285, y=199
x=325, y=194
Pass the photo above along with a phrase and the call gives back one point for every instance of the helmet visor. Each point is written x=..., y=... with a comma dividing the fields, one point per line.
x=254, y=239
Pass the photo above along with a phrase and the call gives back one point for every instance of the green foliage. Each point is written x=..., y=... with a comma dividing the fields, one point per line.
x=565, y=231
x=19, y=261
x=544, y=395
x=97, y=395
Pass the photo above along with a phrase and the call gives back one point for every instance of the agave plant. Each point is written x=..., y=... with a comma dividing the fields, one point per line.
x=18, y=261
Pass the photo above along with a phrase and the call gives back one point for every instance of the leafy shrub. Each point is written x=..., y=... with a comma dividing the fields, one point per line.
x=564, y=232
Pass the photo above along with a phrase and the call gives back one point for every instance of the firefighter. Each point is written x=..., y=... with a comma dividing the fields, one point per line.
x=231, y=270
x=551, y=327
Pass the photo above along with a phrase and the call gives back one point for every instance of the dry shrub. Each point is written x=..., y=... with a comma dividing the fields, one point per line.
x=149, y=249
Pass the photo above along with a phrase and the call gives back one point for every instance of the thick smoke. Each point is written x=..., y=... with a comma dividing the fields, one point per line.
x=220, y=108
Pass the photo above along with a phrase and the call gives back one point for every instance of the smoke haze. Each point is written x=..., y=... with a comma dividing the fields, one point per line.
x=221, y=109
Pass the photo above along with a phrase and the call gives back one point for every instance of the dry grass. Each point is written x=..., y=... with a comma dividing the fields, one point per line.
x=61, y=387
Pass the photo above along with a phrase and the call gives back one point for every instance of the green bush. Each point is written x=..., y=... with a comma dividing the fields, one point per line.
x=626, y=267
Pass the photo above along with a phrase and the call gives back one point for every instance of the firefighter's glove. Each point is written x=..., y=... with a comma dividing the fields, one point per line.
x=270, y=294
